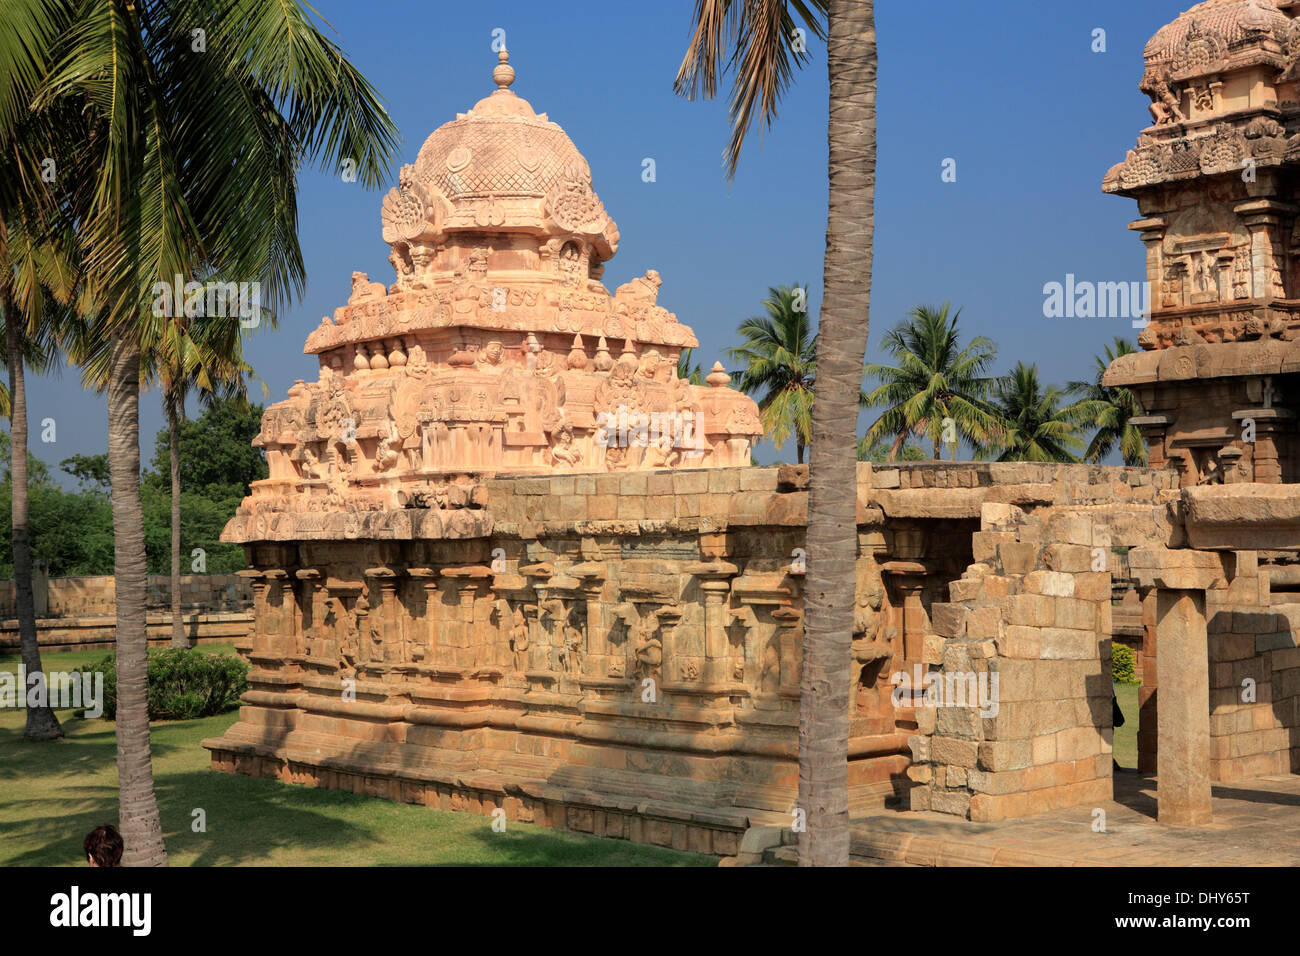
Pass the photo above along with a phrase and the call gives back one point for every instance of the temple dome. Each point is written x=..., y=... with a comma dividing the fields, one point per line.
x=1230, y=23
x=500, y=148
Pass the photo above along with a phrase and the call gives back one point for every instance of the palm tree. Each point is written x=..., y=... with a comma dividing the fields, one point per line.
x=937, y=388
x=760, y=40
x=1034, y=424
x=688, y=370
x=779, y=364
x=1115, y=408
x=37, y=280
x=195, y=160
x=206, y=355
x=32, y=271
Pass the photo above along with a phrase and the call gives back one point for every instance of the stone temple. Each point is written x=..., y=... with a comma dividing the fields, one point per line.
x=507, y=559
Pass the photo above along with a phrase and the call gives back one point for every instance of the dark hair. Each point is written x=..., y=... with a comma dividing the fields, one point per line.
x=104, y=845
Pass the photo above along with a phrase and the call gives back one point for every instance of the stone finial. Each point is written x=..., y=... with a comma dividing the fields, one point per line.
x=718, y=376
x=504, y=74
x=578, y=354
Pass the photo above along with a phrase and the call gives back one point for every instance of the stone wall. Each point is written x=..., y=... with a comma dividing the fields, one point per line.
x=77, y=613
x=620, y=653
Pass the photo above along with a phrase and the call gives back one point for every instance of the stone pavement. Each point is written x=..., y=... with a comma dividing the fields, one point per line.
x=1256, y=823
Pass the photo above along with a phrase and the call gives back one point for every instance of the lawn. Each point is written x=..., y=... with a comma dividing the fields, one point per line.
x=52, y=794
x=1126, y=737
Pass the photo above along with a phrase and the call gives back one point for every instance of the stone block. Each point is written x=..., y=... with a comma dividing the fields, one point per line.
x=1017, y=557
x=1050, y=583
x=1069, y=558
x=1029, y=610
x=1020, y=642
x=1074, y=613
x=984, y=623
x=949, y=620
x=999, y=755
x=1067, y=644
x=953, y=750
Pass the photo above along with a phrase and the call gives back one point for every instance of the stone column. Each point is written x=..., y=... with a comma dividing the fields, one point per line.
x=422, y=651
x=307, y=610
x=592, y=576
x=715, y=582
x=392, y=648
x=1263, y=217
x=1183, y=721
x=469, y=579
x=1153, y=429
x=1268, y=423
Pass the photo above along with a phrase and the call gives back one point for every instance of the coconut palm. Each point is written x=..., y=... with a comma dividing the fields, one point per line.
x=778, y=364
x=1115, y=408
x=207, y=357
x=195, y=354
x=762, y=41
x=1035, y=425
x=938, y=388
x=36, y=279
x=195, y=156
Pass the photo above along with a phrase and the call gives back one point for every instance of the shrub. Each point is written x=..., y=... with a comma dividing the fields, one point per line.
x=1122, y=664
x=183, y=684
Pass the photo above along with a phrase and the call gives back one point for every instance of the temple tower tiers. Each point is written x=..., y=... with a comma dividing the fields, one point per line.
x=497, y=349
x=1215, y=179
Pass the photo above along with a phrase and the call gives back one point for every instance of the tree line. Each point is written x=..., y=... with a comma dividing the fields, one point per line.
x=939, y=394
x=71, y=530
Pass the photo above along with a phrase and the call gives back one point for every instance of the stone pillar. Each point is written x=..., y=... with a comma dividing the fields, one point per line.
x=1263, y=217
x=469, y=579
x=1153, y=429
x=715, y=583
x=1183, y=753
x=1268, y=423
x=393, y=648
x=307, y=609
x=424, y=650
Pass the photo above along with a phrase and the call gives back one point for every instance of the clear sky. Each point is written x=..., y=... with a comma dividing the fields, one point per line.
x=1011, y=90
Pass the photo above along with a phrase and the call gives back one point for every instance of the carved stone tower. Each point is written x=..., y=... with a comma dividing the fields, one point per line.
x=1215, y=178
x=497, y=350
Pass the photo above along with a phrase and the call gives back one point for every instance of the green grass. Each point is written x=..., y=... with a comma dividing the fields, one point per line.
x=1126, y=737
x=52, y=794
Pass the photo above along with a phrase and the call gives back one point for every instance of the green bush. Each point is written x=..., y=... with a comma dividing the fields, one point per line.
x=1122, y=664
x=183, y=684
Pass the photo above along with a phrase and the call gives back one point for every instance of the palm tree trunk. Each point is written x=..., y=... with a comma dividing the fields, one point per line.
x=42, y=724
x=798, y=447
x=138, y=808
x=832, y=541
x=170, y=400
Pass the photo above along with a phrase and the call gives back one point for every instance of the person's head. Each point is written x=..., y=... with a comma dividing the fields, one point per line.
x=103, y=846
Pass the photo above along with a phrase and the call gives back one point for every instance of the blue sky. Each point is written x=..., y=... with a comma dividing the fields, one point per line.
x=1012, y=91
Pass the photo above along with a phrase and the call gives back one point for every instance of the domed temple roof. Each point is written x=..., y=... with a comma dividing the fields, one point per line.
x=496, y=350
x=499, y=148
x=1219, y=25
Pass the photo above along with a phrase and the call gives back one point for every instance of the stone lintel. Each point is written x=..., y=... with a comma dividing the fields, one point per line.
x=1243, y=517
x=1149, y=224
x=1178, y=569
